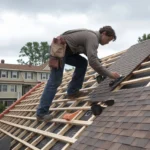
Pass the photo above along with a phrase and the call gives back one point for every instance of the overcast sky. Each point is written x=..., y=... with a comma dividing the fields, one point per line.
x=23, y=21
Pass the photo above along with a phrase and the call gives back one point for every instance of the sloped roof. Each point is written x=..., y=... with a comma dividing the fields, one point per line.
x=125, y=125
x=23, y=67
x=19, y=121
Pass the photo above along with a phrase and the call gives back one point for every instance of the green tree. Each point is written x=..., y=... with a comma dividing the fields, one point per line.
x=144, y=37
x=36, y=53
x=2, y=107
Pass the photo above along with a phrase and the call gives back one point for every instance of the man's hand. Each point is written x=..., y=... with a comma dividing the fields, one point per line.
x=115, y=75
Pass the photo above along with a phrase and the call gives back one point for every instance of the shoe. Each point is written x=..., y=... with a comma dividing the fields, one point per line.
x=77, y=94
x=45, y=118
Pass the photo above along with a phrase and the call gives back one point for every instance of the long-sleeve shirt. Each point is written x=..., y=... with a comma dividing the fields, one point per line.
x=86, y=42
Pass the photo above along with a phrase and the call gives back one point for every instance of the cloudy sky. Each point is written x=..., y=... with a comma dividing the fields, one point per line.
x=23, y=21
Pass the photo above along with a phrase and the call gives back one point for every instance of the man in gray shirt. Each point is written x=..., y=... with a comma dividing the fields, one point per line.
x=78, y=42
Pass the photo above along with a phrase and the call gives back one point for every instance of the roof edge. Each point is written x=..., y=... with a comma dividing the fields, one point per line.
x=19, y=100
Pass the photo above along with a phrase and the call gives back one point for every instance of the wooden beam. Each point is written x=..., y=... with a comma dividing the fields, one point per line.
x=74, y=122
x=52, y=109
x=19, y=140
x=148, y=84
x=141, y=71
x=111, y=59
x=136, y=80
x=114, y=55
x=145, y=63
x=85, y=98
x=107, y=65
x=41, y=132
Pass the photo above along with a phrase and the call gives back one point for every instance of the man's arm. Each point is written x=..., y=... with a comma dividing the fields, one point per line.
x=91, y=48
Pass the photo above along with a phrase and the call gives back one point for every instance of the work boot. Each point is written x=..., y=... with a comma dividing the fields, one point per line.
x=77, y=94
x=45, y=118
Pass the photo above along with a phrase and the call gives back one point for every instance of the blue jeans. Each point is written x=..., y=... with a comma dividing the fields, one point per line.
x=55, y=80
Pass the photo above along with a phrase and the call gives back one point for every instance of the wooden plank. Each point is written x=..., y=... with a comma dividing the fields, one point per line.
x=74, y=122
x=107, y=65
x=114, y=55
x=19, y=140
x=27, y=123
x=67, y=126
x=41, y=132
x=127, y=80
x=145, y=63
x=148, y=84
x=141, y=71
x=111, y=59
x=61, y=132
x=85, y=98
x=52, y=109
x=136, y=80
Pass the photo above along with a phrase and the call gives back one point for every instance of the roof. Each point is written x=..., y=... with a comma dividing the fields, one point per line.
x=125, y=125
x=23, y=67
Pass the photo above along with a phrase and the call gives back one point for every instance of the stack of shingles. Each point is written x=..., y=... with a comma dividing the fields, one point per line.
x=125, y=125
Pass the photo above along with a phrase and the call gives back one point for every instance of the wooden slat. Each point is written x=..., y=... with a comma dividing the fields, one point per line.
x=111, y=59
x=85, y=89
x=52, y=109
x=64, y=100
x=141, y=71
x=19, y=140
x=114, y=55
x=107, y=65
x=145, y=63
x=41, y=132
x=74, y=122
x=136, y=80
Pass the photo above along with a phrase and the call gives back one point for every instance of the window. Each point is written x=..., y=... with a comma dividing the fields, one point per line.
x=47, y=75
x=28, y=75
x=3, y=74
x=13, y=88
x=8, y=102
x=43, y=76
x=14, y=74
x=3, y=88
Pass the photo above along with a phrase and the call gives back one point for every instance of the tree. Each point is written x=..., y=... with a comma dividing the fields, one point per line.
x=36, y=53
x=144, y=37
x=2, y=107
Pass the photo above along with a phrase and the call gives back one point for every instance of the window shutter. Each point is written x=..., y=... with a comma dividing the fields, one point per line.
x=47, y=75
x=41, y=76
x=31, y=75
x=15, y=88
x=17, y=74
x=25, y=75
x=7, y=73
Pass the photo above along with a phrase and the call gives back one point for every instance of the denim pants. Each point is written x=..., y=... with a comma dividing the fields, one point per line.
x=55, y=80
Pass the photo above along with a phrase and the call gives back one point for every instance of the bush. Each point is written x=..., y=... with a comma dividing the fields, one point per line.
x=2, y=107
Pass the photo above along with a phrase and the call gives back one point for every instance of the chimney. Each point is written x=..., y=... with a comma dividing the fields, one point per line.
x=2, y=61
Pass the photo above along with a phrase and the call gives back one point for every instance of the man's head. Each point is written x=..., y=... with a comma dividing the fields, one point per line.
x=107, y=34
